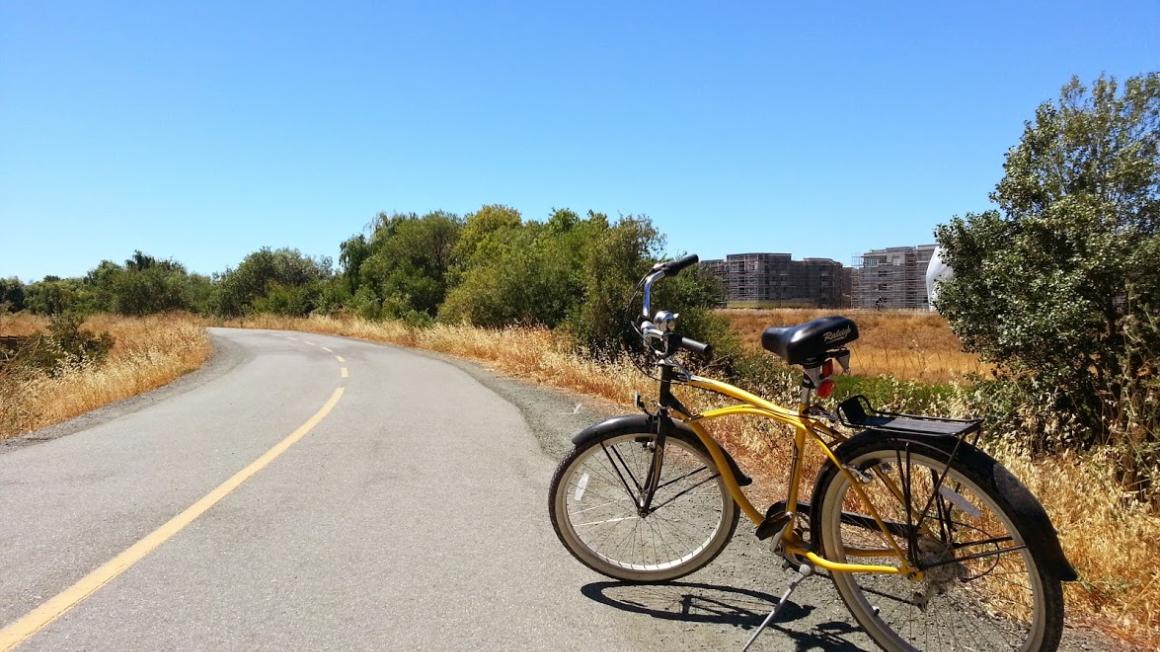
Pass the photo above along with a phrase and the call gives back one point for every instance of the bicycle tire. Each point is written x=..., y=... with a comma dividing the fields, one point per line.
x=722, y=530
x=971, y=470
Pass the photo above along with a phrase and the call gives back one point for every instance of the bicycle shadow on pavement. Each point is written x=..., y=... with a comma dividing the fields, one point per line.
x=700, y=603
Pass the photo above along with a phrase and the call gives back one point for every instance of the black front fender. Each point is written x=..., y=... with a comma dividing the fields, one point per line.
x=630, y=424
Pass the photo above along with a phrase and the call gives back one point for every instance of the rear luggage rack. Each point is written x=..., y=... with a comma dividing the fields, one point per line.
x=856, y=412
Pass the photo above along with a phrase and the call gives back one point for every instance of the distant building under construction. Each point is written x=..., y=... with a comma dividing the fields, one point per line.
x=892, y=278
x=777, y=279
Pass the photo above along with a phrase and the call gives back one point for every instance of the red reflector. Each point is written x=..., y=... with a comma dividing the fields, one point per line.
x=827, y=368
x=826, y=388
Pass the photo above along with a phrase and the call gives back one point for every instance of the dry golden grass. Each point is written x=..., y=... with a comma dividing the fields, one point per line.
x=147, y=353
x=907, y=344
x=1109, y=537
x=21, y=324
x=1111, y=540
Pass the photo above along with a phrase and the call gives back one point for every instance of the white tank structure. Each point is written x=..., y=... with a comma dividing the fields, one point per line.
x=936, y=271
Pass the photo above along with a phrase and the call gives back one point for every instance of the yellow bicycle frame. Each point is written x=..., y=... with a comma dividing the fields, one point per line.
x=804, y=427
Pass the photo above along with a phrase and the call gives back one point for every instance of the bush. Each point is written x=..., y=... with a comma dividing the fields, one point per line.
x=54, y=296
x=510, y=272
x=402, y=269
x=11, y=295
x=1060, y=286
x=66, y=344
x=273, y=280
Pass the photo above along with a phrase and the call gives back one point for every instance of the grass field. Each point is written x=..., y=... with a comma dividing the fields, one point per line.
x=147, y=353
x=906, y=344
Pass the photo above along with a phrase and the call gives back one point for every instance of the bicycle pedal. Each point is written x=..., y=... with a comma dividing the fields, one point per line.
x=772, y=524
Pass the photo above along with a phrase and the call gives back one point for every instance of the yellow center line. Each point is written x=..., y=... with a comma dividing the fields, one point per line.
x=340, y=358
x=344, y=372
x=17, y=632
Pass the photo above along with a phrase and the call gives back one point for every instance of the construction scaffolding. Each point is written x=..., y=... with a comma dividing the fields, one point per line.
x=775, y=279
x=891, y=279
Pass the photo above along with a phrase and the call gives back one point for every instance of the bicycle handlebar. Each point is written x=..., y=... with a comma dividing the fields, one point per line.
x=659, y=271
x=648, y=330
x=674, y=267
x=693, y=345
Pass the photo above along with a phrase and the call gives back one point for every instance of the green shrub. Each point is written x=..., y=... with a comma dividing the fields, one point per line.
x=12, y=295
x=54, y=296
x=1060, y=287
x=511, y=272
x=275, y=280
x=403, y=265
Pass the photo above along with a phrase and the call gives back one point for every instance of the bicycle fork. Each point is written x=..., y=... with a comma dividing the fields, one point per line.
x=664, y=425
x=656, y=467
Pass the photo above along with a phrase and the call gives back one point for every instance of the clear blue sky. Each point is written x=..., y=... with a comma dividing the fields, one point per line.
x=204, y=130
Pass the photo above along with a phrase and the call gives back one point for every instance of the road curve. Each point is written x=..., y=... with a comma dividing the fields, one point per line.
x=411, y=514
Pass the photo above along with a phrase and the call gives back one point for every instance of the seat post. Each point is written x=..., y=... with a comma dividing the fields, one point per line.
x=806, y=392
x=811, y=380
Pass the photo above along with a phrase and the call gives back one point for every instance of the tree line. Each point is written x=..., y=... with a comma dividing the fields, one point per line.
x=490, y=268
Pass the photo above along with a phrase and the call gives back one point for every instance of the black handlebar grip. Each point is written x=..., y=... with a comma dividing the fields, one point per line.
x=695, y=346
x=673, y=268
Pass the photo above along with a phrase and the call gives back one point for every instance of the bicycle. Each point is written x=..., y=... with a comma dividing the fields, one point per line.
x=929, y=541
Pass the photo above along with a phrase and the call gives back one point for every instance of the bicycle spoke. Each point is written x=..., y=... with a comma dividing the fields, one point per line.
x=604, y=491
x=617, y=469
x=976, y=593
x=684, y=492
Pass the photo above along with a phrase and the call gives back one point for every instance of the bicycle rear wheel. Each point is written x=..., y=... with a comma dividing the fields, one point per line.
x=982, y=587
x=594, y=505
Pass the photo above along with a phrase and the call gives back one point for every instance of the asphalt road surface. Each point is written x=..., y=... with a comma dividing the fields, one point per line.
x=306, y=492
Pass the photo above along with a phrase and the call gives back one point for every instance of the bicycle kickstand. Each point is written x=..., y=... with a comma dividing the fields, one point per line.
x=804, y=571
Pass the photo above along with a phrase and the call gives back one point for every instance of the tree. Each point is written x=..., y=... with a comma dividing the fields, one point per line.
x=12, y=294
x=55, y=296
x=1060, y=286
x=151, y=289
x=149, y=285
x=140, y=262
x=605, y=313
x=275, y=280
x=402, y=269
x=577, y=273
x=352, y=253
x=512, y=272
x=143, y=285
x=101, y=280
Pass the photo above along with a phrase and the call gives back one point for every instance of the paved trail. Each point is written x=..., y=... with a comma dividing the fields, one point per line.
x=374, y=498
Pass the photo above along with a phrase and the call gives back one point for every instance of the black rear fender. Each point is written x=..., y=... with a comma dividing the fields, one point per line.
x=1032, y=520
x=630, y=424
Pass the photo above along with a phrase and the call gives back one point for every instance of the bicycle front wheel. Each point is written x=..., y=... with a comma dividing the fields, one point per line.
x=982, y=588
x=594, y=503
